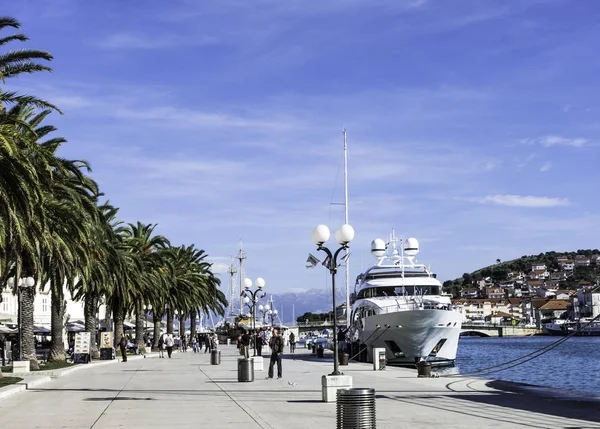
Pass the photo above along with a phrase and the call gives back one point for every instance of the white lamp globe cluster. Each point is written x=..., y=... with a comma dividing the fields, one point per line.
x=344, y=235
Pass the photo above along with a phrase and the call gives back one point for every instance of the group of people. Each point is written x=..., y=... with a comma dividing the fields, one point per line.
x=275, y=342
x=166, y=342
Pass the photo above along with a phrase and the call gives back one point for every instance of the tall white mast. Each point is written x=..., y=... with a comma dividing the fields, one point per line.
x=241, y=256
x=346, y=221
x=232, y=270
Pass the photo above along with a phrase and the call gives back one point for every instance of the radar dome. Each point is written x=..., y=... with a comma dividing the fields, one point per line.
x=411, y=247
x=378, y=248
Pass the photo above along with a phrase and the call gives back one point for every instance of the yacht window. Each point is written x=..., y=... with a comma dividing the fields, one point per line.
x=437, y=347
x=395, y=349
x=398, y=291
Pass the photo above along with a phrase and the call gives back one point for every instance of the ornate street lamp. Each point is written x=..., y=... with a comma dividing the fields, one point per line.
x=264, y=310
x=272, y=314
x=344, y=235
x=251, y=299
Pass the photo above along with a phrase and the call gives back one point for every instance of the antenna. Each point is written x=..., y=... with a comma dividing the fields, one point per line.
x=232, y=270
x=241, y=256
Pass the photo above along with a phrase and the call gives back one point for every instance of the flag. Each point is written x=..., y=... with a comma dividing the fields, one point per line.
x=346, y=256
x=312, y=261
x=326, y=262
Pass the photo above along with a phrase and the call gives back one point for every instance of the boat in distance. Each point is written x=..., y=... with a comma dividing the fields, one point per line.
x=398, y=305
x=578, y=328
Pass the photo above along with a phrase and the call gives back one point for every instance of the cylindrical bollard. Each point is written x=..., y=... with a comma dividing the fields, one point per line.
x=320, y=352
x=424, y=369
x=245, y=370
x=355, y=408
x=343, y=358
x=215, y=357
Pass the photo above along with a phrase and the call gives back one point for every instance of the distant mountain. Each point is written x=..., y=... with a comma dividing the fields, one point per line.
x=312, y=300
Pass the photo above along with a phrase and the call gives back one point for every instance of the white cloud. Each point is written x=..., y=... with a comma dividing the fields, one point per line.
x=144, y=41
x=553, y=140
x=523, y=201
x=546, y=167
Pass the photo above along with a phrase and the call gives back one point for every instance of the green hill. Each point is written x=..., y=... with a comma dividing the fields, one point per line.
x=500, y=270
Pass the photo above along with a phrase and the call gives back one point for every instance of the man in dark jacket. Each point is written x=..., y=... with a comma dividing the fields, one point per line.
x=245, y=344
x=276, y=350
x=2, y=352
x=206, y=343
x=123, y=346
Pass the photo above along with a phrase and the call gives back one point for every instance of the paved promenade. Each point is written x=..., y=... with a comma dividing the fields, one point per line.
x=187, y=392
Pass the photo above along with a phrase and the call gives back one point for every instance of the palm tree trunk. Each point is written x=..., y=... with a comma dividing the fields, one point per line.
x=193, y=315
x=181, y=325
x=156, y=319
x=119, y=318
x=28, y=342
x=140, y=319
x=90, y=310
x=57, y=346
x=169, y=321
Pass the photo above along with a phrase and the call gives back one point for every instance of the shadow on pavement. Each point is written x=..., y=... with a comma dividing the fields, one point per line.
x=120, y=398
x=580, y=410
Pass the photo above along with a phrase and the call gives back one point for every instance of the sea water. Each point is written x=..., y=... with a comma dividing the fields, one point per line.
x=573, y=365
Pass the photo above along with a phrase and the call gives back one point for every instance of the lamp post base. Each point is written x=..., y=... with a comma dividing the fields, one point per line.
x=330, y=384
x=258, y=363
x=21, y=366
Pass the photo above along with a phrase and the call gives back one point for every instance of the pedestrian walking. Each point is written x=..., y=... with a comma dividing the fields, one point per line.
x=194, y=345
x=184, y=343
x=245, y=344
x=292, y=343
x=2, y=352
x=161, y=346
x=206, y=343
x=276, y=351
x=169, y=343
x=123, y=347
x=259, y=343
x=214, y=342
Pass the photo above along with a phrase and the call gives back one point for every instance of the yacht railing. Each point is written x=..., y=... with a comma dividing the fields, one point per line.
x=409, y=306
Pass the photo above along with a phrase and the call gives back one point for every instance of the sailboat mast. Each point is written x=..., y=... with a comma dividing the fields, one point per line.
x=232, y=270
x=346, y=222
x=241, y=256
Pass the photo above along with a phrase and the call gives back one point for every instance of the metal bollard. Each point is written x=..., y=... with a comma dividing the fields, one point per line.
x=245, y=370
x=424, y=369
x=355, y=408
x=215, y=357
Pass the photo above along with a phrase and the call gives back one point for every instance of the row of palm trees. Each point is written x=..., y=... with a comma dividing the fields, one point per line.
x=54, y=228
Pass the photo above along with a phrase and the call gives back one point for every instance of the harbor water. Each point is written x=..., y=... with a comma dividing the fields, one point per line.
x=573, y=365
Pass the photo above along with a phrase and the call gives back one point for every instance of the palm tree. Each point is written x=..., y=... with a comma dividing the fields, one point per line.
x=16, y=62
x=148, y=249
x=194, y=285
x=106, y=263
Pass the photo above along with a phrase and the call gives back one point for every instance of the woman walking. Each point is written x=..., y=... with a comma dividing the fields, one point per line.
x=161, y=346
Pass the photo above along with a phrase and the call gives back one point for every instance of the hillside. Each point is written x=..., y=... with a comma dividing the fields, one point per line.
x=586, y=268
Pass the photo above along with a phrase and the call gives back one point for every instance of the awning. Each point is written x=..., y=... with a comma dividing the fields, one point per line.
x=40, y=330
x=6, y=330
x=77, y=326
x=128, y=326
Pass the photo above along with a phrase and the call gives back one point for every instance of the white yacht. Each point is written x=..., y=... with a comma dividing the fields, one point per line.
x=580, y=328
x=399, y=305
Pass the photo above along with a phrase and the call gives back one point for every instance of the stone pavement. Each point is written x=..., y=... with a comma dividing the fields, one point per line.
x=187, y=392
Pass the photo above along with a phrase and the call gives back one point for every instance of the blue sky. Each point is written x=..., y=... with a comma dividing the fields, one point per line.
x=472, y=125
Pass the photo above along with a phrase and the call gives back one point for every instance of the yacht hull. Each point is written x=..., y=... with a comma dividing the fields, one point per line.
x=412, y=335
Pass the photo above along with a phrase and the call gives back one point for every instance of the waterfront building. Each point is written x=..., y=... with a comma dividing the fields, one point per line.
x=9, y=307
